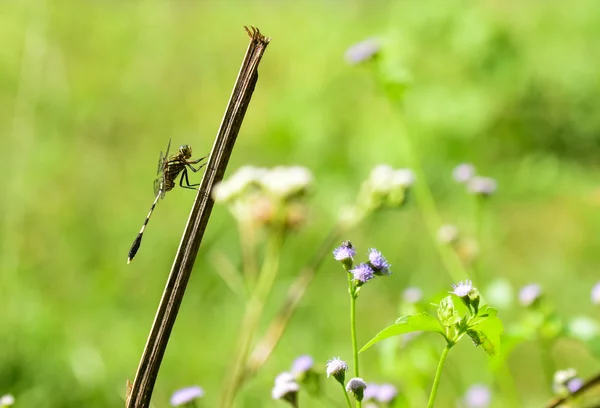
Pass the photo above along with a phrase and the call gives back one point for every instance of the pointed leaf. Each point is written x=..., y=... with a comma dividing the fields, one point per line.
x=406, y=324
x=487, y=335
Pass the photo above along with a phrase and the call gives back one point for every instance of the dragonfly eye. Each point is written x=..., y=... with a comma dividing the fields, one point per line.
x=186, y=151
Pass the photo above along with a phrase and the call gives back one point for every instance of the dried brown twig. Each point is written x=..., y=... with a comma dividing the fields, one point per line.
x=140, y=392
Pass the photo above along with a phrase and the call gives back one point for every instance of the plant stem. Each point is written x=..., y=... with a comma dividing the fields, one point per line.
x=438, y=375
x=353, y=295
x=346, y=395
x=252, y=317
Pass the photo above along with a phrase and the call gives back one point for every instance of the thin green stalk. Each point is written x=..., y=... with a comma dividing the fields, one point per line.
x=346, y=395
x=353, y=295
x=353, y=332
x=252, y=318
x=438, y=374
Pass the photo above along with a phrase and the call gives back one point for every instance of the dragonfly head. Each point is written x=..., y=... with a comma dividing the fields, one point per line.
x=185, y=151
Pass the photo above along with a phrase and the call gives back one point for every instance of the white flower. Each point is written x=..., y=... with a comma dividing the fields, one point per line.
x=403, y=178
x=287, y=181
x=237, y=183
x=463, y=172
x=285, y=386
x=336, y=367
x=381, y=178
x=447, y=234
x=7, y=400
x=462, y=289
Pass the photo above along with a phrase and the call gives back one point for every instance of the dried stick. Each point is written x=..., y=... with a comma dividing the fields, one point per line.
x=139, y=394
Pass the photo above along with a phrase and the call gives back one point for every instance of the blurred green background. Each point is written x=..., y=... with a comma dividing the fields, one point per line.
x=91, y=91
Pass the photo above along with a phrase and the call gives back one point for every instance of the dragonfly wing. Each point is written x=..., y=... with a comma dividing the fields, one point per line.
x=157, y=184
x=162, y=159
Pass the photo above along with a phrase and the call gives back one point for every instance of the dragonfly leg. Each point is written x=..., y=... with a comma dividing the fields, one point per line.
x=189, y=164
x=184, y=174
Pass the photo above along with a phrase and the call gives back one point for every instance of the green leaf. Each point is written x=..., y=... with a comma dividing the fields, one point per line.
x=406, y=324
x=487, y=335
x=486, y=311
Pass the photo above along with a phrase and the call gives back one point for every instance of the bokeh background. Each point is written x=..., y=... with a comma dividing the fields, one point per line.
x=90, y=92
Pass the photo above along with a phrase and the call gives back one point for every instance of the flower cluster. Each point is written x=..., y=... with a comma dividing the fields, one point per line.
x=481, y=186
x=266, y=196
x=377, y=265
x=566, y=382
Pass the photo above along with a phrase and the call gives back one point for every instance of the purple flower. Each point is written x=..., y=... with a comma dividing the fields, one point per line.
x=412, y=295
x=363, y=51
x=484, y=186
x=344, y=252
x=337, y=368
x=302, y=364
x=185, y=395
x=596, y=294
x=363, y=273
x=574, y=384
x=378, y=262
x=371, y=392
x=386, y=393
x=478, y=396
x=356, y=386
x=462, y=289
x=286, y=388
x=463, y=172
x=529, y=294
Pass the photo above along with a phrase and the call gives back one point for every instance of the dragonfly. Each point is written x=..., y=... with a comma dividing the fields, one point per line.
x=169, y=168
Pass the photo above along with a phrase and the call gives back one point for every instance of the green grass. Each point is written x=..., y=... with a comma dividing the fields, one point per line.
x=90, y=92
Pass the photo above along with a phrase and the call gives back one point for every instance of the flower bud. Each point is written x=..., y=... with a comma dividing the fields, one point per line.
x=356, y=387
x=337, y=369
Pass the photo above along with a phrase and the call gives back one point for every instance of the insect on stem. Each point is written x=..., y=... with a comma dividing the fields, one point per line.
x=169, y=169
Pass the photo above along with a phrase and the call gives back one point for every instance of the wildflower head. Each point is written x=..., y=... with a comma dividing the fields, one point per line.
x=345, y=254
x=447, y=234
x=186, y=395
x=302, y=364
x=356, y=387
x=286, y=388
x=462, y=289
x=7, y=400
x=386, y=393
x=363, y=51
x=385, y=187
x=337, y=368
x=482, y=186
x=378, y=262
x=463, y=172
x=412, y=295
x=562, y=379
x=286, y=182
x=596, y=294
x=478, y=396
x=362, y=273
x=530, y=294
x=370, y=393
